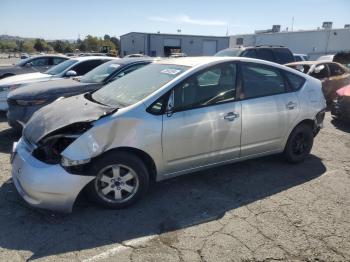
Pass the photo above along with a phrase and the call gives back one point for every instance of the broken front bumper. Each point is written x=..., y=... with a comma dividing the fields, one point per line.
x=43, y=185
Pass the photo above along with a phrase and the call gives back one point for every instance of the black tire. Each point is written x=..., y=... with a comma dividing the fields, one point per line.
x=123, y=160
x=299, y=144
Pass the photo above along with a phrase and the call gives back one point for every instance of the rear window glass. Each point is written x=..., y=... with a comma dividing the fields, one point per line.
x=296, y=82
x=283, y=55
x=265, y=54
x=259, y=80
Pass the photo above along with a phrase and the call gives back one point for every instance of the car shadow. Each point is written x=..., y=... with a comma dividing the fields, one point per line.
x=341, y=125
x=7, y=137
x=170, y=205
x=3, y=117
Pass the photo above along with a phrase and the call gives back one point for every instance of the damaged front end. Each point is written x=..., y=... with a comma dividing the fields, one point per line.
x=54, y=127
x=49, y=149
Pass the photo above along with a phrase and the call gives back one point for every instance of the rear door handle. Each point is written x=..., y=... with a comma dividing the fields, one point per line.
x=231, y=116
x=291, y=105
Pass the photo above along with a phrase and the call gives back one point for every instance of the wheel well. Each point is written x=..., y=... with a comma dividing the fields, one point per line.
x=308, y=122
x=146, y=158
x=6, y=75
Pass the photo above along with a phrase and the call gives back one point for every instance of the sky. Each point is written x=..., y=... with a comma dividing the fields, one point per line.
x=69, y=19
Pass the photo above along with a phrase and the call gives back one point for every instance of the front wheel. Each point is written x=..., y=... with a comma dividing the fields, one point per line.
x=121, y=179
x=299, y=144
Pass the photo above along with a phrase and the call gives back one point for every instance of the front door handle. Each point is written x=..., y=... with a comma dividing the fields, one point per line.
x=231, y=116
x=291, y=105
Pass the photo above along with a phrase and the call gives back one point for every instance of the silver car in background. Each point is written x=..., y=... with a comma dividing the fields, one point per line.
x=166, y=119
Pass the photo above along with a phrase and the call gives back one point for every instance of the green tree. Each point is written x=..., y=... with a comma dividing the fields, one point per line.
x=92, y=43
x=40, y=45
x=28, y=46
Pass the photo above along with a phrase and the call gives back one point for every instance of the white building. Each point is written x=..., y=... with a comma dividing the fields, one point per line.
x=165, y=44
x=312, y=42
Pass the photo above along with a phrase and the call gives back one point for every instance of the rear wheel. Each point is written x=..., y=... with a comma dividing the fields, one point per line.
x=121, y=179
x=299, y=143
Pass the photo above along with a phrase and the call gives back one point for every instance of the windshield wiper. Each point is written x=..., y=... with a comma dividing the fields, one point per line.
x=89, y=97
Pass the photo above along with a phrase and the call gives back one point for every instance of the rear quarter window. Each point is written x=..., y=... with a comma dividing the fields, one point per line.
x=295, y=82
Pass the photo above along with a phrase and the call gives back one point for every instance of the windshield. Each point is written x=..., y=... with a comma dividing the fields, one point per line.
x=137, y=85
x=61, y=67
x=229, y=52
x=99, y=74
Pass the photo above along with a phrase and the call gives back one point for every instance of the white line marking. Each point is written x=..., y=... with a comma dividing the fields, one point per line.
x=120, y=248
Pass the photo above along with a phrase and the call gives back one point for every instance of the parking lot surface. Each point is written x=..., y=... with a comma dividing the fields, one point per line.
x=257, y=210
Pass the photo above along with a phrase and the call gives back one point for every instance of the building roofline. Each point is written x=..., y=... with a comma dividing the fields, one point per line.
x=165, y=34
x=293, y=32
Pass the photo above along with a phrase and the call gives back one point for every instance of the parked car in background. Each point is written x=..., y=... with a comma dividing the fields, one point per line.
x=277, y=54
x=135, y=56
x=176, y=55
x=166, y=119
x=24, y=56
x=39, y=63
x=341, y=104
x=70, y=68
x=341, y=58
x=24, y=102
x=332, y=75
x=300, y=57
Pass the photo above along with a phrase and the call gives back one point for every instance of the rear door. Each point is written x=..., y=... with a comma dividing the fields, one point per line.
x=205, y=127
x=268, y=109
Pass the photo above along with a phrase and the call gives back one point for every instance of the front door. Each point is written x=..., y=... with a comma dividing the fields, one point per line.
x=205, y=127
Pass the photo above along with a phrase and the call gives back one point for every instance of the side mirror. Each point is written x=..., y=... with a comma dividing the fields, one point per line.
x=318, y=69
x=170, y=105
x=29, y=64
x=71, y=73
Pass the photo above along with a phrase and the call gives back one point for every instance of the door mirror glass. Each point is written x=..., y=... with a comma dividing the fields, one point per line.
x=71, y=73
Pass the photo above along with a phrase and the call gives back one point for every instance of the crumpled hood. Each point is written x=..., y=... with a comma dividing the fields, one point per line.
x=51, y=89
x=63, y=113
x=24, y=78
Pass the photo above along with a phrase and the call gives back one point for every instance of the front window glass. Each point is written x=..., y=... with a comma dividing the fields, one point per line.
x=100, y=73
x=320, y=72
x=212, y=86
x=61, y=67
x=137, y=85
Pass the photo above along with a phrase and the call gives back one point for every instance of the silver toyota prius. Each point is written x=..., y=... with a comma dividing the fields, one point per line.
x=166, y=119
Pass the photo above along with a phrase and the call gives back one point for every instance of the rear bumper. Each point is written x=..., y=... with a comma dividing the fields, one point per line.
x=42, y=185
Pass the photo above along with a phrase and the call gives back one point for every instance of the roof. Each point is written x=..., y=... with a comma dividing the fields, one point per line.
x=310, y=62
x=211, y=36
x=201, y=60
x=84, y=58
x=48, y=55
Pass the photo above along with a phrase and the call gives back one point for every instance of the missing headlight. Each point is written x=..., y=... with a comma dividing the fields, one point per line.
x=50, y=152
x=50, y=147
